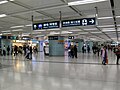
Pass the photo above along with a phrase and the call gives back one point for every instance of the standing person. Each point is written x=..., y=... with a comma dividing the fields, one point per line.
x=24, y=49
x=75, y=51
x=98, y=50
x=15, y=50
x=4, y=51
x=104, y=55
x=30, y=56
x=27, y=52
x=117, y=52
x=82, y=49
x=72, y=51
x=88, y=49
x=8, y=50
x=69, y=51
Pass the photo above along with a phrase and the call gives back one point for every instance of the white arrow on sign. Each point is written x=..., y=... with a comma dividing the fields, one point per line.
x=92, y=21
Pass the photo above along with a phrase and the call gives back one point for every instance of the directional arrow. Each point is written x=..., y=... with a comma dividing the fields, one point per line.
x=92, y=21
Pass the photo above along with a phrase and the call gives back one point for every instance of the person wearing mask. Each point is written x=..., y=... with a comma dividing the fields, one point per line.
x=117, y=52
x=75, y=51
x=8, y=50
x=105, y=56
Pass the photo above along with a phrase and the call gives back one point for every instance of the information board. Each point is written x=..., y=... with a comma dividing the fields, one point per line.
x=79, y=22
x=46, y=25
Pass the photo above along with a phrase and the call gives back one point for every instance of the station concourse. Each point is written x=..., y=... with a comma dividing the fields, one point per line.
x=59, y=45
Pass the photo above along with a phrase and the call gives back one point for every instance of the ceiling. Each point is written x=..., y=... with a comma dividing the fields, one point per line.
x=19, y=13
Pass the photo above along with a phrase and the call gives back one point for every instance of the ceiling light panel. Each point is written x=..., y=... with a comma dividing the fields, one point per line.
x=17, y=26
x=6, y=31
x=84, y=2
x=2, y=15
x=4, y=1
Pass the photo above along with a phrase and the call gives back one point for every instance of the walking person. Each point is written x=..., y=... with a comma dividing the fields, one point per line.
x=69, y=51
x=27, y=52
x=75, y=51
x=98, y=50
x=30, y=56
x=117, y=52
x=88, y=49
x=82, y=49
x=105, y=56
x=72, y=51
x=15, y=50
x=8, y=50
x=4, y=51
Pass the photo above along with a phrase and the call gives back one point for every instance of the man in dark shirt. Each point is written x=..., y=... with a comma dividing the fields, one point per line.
x=118, y=54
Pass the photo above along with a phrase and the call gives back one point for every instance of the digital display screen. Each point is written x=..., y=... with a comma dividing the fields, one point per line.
x=46, y=25
x=79, y=22
x=12, y=37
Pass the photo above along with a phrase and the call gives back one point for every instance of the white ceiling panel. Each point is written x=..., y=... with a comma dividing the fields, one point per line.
x=40, y=3
x=14, y=20
x=9, y=8
x=105, y=22
x=100, y=5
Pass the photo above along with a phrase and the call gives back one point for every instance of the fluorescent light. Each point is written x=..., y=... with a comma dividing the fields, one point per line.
x=84, y=2
x=18, y=30
x=6, y=31
x=52, y=33
x=105, y=18
x=54, y=29
x=65, y=32
x=2, y=2
x=107, y=26
x=91, y=29
x=17, y=26
x=76, y=30
x=12, y=0
x=100, y=18
x=108, y=29
x=83, y=33
x=29, y=25
x=117, y=16
x=39, y=30
x=96, y=32
x=2, y=15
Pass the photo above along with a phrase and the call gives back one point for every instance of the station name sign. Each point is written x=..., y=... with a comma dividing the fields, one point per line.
x=65, y=23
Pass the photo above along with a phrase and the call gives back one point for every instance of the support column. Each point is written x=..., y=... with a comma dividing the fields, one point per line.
x=56, y=45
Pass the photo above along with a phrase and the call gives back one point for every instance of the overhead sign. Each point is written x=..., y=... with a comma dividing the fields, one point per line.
x=79, y=22
x=53, y=37
x=46, y=25
x=71, y=37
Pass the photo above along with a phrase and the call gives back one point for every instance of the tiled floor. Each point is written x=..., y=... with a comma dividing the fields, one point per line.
x=59, y=73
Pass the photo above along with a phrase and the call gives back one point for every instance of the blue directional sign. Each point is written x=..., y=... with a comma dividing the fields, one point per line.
x=79, y=22
x=46, y=25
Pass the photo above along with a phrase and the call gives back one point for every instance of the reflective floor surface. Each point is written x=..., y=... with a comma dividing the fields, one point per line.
x=59, y=73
